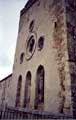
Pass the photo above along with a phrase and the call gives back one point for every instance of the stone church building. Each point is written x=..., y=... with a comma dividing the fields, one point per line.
x=44, y=70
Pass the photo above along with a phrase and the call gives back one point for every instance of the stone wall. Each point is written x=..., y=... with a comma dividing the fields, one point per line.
x=49, y=18
x=4, y=90
x=71, y=38
x=60, y=45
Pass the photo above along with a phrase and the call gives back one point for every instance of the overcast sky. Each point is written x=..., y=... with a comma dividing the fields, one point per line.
x=9, y=20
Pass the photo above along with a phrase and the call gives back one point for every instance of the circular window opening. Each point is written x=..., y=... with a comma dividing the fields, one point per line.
x=40, y=43
x=21, y=58
x=30, y=44
x=31, y=26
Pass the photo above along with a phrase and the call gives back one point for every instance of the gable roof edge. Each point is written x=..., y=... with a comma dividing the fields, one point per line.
x=27, y=6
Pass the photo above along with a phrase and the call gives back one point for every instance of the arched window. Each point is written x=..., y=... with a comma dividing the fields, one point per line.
x=27, y=90
x=18, y=94
x=39, y=95
x=41, y=43
x=31, y=26
x=21, y=58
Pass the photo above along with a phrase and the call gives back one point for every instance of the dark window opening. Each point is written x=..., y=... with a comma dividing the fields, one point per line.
x=30, y=44
x=31, y=26
x=21, y=58
x=39, y=95
x=27, y=90
x=18, y=94
x=40, y=43
x=55, y=24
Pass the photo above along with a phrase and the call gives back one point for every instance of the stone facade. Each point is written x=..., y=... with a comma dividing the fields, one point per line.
x=71, y=40
x=4, y=90
x=44, y=70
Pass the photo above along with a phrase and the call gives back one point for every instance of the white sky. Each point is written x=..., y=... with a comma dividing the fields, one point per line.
x=9, y=20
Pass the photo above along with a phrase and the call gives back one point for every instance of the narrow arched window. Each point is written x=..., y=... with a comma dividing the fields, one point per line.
x=39, y=91
x=27, y=90
x=31, y=26
x=21, y=58
x=40, y=43
x=18, y=94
